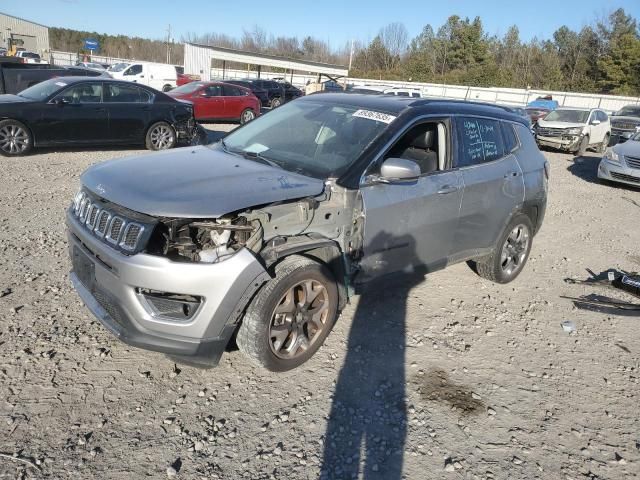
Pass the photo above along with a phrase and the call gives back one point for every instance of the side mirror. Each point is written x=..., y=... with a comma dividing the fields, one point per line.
x=595, y=122
x=61, y=102
x=398, y=169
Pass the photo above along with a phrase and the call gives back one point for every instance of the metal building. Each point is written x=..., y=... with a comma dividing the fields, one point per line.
x=198, y=60
x=23, y=34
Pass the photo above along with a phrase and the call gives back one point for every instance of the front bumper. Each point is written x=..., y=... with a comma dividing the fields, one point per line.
x=565, y=142
x=617, y=172
x=110, y=283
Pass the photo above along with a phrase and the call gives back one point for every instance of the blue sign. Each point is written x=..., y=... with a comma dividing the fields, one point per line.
x=91, y=44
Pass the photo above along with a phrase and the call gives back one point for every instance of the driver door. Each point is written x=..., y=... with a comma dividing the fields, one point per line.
x=212, y=103
x=76, y=115
x=410, y=225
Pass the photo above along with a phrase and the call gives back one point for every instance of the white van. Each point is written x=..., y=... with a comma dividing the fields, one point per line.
x=156, y=75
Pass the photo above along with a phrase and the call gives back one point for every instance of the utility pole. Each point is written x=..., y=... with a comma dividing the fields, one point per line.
x=351, y=55
x=169, y=44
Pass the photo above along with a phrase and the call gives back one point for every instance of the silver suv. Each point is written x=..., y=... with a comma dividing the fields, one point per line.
x=266, y=234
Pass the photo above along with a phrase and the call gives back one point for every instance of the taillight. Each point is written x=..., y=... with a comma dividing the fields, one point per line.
x=547, y=170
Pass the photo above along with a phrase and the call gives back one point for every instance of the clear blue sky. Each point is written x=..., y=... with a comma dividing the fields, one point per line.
x=337, y=21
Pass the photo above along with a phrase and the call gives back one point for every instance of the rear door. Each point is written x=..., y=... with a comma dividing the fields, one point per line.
x=129, y=109
x=233, y=102
x=75, y=115
x=493, y=185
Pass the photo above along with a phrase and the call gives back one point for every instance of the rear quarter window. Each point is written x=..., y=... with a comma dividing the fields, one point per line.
x=510, y=140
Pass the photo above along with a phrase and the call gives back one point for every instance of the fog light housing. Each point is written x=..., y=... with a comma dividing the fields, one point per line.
x=171, y=306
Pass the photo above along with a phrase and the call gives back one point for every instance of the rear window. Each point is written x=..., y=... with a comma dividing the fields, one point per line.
x=480, y=141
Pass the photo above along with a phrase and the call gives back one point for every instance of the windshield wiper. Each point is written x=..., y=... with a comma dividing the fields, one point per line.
x=258, y=156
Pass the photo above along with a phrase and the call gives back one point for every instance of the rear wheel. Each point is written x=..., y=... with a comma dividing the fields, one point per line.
x=15, y=138
x=160, y=136
x=246, y=116
x=510, y=254
x=290, y=317
x=166, y=88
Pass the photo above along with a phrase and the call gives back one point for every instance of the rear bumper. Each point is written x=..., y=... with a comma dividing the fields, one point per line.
x=616, y=172
x=113, y=286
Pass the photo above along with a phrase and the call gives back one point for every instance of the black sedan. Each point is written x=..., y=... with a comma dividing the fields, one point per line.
x=73, y=111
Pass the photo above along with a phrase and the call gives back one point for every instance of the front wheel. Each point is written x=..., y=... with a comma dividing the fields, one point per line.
x=161, y=136
x=276, y=102
x=246, y=116
x=15, y=138
x=510, y=255
x=582, y=148
x=290, y=317
x=166, y=88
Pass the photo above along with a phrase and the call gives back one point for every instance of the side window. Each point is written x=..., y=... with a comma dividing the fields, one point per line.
x=480, y=141
x=83, y=93
x=421, y=144
x=213, y=91
x=229, y=91
x=133, y=70
x=603, y=117
x=116, y=93
x=510, y=140
x=415, y=95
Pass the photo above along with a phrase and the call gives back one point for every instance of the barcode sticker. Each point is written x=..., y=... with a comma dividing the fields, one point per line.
x=377, y=116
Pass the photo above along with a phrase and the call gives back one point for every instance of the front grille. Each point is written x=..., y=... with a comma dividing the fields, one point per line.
x=102, y=222
x=550, y=132
x=632, y=162
x=624, y=125
x=626, y=178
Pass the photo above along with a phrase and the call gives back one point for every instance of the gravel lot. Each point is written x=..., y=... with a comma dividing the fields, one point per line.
x=453, y=377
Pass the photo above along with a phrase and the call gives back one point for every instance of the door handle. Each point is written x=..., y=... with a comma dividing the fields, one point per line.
x=444, y=189
x=511, y=174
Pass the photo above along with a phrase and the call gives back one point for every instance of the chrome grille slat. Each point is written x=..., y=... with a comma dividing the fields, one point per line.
x=103, y=223
x=632, y=162
x=550, y=132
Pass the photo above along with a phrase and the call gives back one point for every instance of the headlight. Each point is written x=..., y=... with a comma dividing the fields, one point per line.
x=574, y=131
x=612, y=156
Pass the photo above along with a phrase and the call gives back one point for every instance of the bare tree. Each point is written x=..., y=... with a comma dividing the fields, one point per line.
x=394, y=38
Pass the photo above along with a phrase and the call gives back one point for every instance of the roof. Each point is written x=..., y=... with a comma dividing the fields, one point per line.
x=23, y=20
x=395, y=105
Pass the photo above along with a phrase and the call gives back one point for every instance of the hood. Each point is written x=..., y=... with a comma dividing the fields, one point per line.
x=630, y=148
x=194, y=182
x=547, y=124
x=625, y=119
x=7, y=98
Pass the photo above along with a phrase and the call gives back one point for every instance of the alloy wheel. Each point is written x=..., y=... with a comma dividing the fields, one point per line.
x=247, y=116
x=13, y=139
x=514, y=250
x=299, y=319
x=162, y=137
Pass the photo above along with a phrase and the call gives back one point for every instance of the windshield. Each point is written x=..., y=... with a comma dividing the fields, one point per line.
x=187, y=88
x=629, y=111
x=43, y=90
x=118, y=67
x=312, y=138
x=568, y=116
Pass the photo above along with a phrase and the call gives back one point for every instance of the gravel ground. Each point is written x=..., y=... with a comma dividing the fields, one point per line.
x=453, y=377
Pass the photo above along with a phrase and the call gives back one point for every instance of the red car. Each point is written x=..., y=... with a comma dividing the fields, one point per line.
x=219, y=101
x=183, y=78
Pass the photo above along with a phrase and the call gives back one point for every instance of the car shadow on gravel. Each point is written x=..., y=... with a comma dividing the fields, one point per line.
x=367, y=426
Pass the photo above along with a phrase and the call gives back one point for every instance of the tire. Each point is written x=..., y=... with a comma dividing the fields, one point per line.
x=280, y=341
x=15, y=138
x=582, y=148
x=247, y=115
x=160, y=136
x=166, y=88
x=494, y=267
x=276, y=102
x=604, y=144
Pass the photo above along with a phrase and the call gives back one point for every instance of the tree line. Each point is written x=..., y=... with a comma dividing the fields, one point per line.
x=603, y=57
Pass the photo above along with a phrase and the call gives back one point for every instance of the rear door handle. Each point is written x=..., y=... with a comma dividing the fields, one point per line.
x=444, y=189
x=511, y=174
